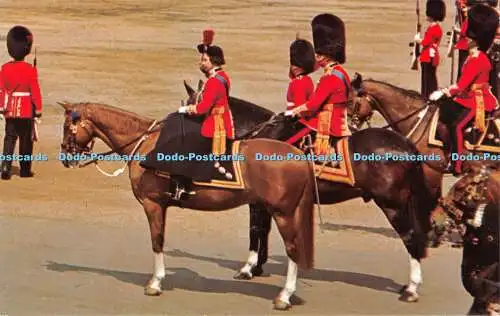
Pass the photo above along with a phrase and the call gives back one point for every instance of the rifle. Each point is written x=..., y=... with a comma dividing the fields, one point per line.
x=415, y=45
x=453, y=38
x=34, y=133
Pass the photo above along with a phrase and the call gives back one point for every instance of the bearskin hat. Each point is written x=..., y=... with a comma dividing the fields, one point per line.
x=19, y=42
x=482, y=27
x=215, y=53
x=302, y=55
x=436, y=9
x=329, y=36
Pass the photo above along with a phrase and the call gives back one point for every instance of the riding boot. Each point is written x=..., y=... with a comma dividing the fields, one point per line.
x=181, y=187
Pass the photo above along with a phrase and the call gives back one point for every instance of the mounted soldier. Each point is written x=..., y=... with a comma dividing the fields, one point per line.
x=20, y=100
x=472, y=95
x=429, y=58
x=328, y=104
x=217, y=129
x=302, y=63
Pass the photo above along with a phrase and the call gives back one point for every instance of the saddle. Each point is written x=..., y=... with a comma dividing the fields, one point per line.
x=474, y=140
x=182, y=150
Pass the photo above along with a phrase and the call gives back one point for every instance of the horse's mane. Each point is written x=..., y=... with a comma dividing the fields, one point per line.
x=247, y=116
x=248, y=107
x=89, y=106
x=405, y=92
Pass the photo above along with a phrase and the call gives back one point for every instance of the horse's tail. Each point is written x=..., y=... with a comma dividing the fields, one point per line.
x=420, y=206
x=304, y=223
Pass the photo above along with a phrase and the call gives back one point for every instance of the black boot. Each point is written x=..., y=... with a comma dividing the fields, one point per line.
x=6, y=170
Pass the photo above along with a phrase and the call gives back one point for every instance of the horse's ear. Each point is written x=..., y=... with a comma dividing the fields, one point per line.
x=200, y=85
x=356, y=81
x=66, y=106
x=190, y=91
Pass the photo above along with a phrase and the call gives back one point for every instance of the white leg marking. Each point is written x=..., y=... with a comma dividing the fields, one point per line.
x=291, y=282
x=253, y=257
x=415, y=275
x=159, y=273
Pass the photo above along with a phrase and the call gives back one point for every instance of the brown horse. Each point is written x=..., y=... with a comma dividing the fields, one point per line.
x=285, y=187
x=474, y=200
x=408, y=114
x=397, y=187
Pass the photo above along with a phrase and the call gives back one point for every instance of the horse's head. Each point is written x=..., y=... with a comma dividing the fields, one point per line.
x=466, y=200
x=78, y=136
x=361, y=109
x=194, y=96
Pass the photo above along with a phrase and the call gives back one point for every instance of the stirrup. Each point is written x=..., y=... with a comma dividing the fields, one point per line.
x=180, y=192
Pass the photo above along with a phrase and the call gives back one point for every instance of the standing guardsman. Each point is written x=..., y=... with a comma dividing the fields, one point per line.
x=461, y=45
x=494, y=54
x=471, y=95
x=327, y=108
x=20, y=100
x=429, y=58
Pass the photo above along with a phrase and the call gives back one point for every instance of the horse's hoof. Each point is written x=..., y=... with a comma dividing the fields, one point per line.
x=409, y=297
x=240, y=275
x=151, y=291
x=280, y=305
x=257, y=271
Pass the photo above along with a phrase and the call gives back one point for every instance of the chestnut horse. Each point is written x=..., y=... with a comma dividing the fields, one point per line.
x=474, y=200
x=285, y=187
x=397, y=187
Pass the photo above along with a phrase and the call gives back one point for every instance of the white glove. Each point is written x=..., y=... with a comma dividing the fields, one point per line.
x=436, y=95
x=417, y=38
x=38, y=120
x=289, y=113
x=183, y=109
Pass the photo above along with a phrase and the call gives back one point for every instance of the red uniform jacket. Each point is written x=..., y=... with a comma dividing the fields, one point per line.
x=475, y=75
x=215, y=99
x=19, y=90
x=332, y=91
x=430, y=44
x=299, y=91
x=462, y=40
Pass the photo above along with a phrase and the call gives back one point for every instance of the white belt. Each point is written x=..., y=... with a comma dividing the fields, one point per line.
x=21, y=94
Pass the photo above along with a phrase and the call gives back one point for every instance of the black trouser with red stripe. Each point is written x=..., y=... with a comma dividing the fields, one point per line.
x=14, y=128
x=429, y=82
x=456, y=117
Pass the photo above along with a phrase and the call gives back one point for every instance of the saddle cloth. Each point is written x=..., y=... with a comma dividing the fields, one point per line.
x=182, y=150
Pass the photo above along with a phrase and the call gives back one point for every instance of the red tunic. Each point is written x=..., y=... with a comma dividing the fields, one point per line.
x=333, y=92
x=214, y=100
x=475, y=75
x=299, y=91
x=462, y=38
x=19, y=90
x=430, y=44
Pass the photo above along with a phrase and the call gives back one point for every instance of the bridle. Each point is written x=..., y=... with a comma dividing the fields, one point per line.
x=72, y=147
x=375, y=104
x=356, y=121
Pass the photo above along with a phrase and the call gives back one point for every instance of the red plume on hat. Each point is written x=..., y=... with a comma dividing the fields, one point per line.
x=208, y=38
x=214, y=52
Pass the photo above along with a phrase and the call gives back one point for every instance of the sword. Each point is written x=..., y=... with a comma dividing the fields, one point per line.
x=316, y=187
